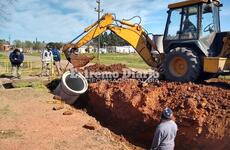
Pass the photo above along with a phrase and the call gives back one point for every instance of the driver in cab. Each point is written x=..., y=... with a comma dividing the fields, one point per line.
x=189, y=29
x=188, y=26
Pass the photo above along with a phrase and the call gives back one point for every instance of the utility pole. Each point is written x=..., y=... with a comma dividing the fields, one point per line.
x=36, y=44
x=9, y=39
x=99, y=11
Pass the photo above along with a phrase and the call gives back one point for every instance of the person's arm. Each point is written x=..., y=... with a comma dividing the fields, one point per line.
x=59, y=56
x=52, y=57
x=156, y=140
x=43, y=55
x=22, y=57
x=11, y=59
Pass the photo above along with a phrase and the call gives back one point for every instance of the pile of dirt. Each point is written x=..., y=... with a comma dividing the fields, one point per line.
x=105, y=68
x=202, y=112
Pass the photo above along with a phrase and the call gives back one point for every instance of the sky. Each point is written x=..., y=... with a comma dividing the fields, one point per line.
x=63, y=20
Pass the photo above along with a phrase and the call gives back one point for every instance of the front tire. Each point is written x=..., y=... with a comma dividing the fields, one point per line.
x=182, y=65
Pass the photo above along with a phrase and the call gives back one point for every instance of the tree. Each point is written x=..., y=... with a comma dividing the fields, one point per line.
x=39, y=45
x=18, y=43
x=111, y=39
x=2, y=42
x=55, y=45
x=28, y=45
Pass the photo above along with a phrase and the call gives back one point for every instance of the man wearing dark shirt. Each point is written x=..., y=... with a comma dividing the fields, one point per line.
x=16, y=59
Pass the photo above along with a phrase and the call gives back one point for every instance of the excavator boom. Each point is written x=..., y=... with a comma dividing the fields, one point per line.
x=134, y=34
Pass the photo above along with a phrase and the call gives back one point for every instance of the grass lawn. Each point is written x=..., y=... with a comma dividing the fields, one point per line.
x=2, y=56
x=227, y=77
x=131, y=60
x=34, y=54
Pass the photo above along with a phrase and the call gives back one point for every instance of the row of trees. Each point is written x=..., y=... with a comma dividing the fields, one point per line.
x=2, y=41
x=110, y=39
x=107, y=39
x=31, y=45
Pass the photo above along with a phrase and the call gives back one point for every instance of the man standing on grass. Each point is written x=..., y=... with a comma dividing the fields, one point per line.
x=47, y=59
x=16, y=58
x=165, y=134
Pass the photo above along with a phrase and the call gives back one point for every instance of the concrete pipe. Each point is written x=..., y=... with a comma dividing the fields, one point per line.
x=71, y=86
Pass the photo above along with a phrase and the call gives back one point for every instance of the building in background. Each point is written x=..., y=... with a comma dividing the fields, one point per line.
x=124, y=49
x=107, y=49
x=5, y=47
x=86, y=49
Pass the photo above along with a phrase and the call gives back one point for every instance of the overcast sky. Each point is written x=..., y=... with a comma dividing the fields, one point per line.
x=62, y=20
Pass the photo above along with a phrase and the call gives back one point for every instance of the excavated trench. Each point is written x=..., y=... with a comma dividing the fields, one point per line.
x=202, y=111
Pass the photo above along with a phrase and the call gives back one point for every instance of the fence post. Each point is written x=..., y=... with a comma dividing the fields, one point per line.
x=31, y=66
x=7, y=67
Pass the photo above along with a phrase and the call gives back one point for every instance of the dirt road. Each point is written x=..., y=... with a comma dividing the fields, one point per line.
x=28, y=122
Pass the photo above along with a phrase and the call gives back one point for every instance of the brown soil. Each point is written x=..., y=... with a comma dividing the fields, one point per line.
x=27, y=122
x=103, y=68
x=202, y=112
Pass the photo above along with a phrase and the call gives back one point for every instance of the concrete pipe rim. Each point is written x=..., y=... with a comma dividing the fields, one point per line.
x=76, y=74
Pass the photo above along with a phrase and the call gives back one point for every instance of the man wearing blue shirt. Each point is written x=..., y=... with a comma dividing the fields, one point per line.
x=57, y=60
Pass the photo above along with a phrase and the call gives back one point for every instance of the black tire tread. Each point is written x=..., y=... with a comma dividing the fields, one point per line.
x=193, y=61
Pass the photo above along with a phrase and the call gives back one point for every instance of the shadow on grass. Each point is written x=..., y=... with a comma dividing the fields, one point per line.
x=53, y=84
x=6, y=76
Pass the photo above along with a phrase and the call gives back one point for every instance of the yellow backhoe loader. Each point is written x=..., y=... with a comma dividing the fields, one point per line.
x=193, y=45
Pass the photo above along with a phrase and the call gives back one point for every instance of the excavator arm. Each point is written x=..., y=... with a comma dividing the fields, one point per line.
x=134, y=34
x=91, y=32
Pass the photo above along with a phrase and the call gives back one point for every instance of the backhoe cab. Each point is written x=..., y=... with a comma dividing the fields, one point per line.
x=193, y=43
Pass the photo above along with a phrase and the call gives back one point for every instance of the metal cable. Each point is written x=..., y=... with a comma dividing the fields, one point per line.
x=133, y=18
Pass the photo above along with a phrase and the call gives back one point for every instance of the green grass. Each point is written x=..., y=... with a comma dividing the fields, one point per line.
x=131, y=60
x=35, y=85
x=6, y=112
x=224, y=77
x=2, y=56
x=5, y=134
x=34, y=54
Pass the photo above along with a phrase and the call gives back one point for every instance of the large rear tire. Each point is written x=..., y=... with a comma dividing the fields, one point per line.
x=182, y=65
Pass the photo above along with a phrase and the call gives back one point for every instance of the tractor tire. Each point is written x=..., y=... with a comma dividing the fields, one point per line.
x=182, y=65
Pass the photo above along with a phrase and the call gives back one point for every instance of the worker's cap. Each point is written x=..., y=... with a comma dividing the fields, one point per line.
x=49, y=46
x=167, y=113
x=17, y=50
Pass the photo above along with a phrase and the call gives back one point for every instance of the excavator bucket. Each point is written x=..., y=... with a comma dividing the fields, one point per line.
x=80, y=60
